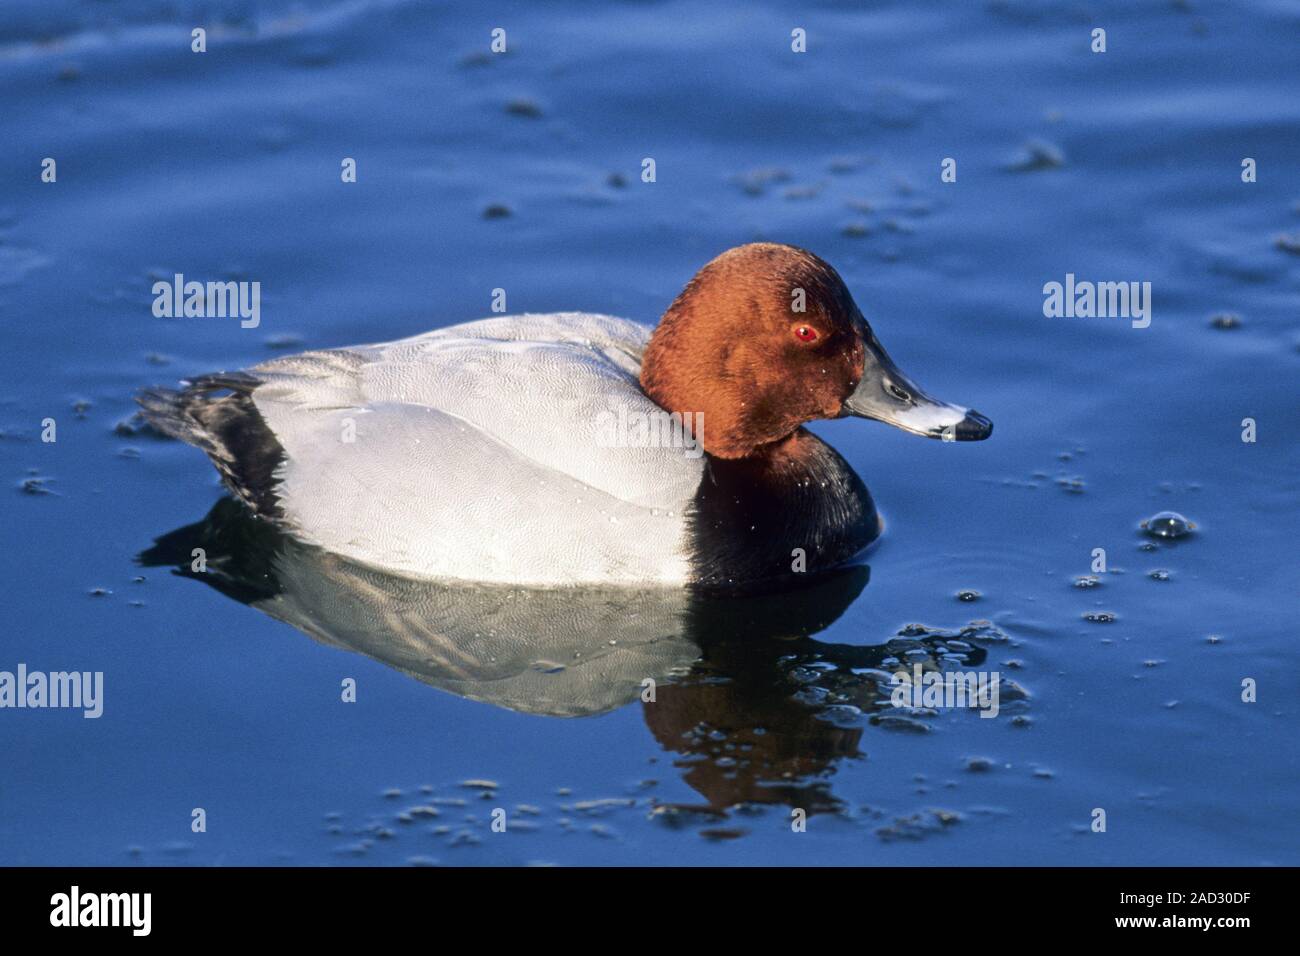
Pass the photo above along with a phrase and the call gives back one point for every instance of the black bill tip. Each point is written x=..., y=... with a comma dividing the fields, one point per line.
x=974, y=427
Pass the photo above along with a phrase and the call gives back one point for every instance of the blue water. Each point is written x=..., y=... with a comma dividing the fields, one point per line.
x=226, y=165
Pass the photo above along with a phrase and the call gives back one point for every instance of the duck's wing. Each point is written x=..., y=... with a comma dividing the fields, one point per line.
x=549, y=387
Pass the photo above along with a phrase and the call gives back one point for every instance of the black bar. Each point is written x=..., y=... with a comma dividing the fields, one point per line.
x=211, y=904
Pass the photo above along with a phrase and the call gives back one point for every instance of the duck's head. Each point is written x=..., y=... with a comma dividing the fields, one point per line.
x=765, y=338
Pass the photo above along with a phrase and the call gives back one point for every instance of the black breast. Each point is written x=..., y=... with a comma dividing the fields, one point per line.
x=753, y=517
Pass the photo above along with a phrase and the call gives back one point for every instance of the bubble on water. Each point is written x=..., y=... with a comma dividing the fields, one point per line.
x=754, y=182
x=968, y=595
x=1225, y=320
x=979, y=764
x=603, y=806
x=1213, y=639
x=35, y=485
x=809, y=191
x=135, y=426
x=1073, y=484
x=1035, y=155
x=1159, y=574
x=1167, y=524
x=918, y=825
x=287, y=340
x=677, y=816
x=841, y=715
x=1288, y=242
x=1100, y=617
x=845, y=164
x=527, y=108
x=1085, y=581
x=1009, y=691
x=897, y=722
x=724, y=833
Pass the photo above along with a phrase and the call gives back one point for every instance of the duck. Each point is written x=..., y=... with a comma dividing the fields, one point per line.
x=576, y=449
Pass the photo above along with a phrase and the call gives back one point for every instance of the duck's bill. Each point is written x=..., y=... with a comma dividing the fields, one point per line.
x=887, y=395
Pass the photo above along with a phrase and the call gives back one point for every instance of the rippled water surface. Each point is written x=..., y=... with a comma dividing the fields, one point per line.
x=523, y=171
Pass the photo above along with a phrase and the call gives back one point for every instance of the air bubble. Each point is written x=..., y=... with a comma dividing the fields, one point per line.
x=1167, y=524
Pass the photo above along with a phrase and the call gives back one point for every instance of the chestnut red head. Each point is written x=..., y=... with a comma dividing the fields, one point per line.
x=765, y=338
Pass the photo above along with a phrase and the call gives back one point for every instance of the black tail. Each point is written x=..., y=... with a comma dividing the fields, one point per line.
x=216, y=413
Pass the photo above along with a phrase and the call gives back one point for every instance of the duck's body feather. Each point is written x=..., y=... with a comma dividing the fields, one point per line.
x=467, y=452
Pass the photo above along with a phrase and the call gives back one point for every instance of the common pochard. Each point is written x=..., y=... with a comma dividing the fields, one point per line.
x=572, y=448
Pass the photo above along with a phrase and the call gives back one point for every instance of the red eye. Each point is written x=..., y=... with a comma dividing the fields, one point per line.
x=806, y=333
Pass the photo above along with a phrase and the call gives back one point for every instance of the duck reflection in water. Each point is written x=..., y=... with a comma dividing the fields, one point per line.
x=756, y=710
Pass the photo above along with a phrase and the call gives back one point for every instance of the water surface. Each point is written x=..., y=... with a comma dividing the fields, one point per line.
x=1122, y=166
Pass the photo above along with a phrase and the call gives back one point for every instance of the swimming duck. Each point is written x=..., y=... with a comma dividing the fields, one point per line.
x=572, y=448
